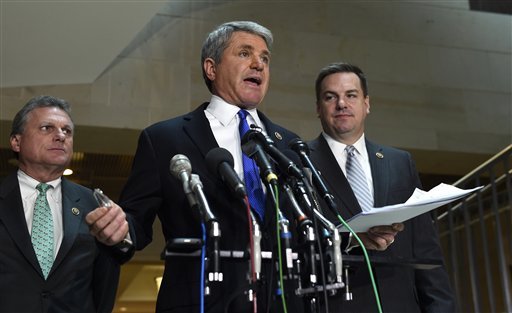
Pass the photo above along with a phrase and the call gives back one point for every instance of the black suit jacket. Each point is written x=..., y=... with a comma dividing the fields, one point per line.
x=152, y=190
x=84, y=276
x=401, y=289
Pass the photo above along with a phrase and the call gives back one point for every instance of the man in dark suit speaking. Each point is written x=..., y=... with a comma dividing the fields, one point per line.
x=49, y=262
x=235, y=61
x=361, y=174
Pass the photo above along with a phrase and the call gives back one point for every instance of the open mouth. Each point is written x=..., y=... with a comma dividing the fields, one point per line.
x=253, y=80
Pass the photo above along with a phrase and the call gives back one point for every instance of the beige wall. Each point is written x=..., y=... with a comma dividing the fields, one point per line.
x=439, y=75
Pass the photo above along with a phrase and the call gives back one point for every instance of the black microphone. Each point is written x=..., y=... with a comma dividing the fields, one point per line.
x=181, y=168
x=254, y=150
x=302, y=150
x=302, y=187
x=285, y=164
x=220, y=162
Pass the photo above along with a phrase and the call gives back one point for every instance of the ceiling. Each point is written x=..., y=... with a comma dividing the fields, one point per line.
x=57, y=33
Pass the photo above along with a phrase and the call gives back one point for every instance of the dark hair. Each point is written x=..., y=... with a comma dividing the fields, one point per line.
x=19, y=121
x=218, y=40
x=340, y=67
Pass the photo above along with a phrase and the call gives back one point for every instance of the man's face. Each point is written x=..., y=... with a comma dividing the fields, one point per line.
x=46, y=144
x=342, y=107
x=241, y=78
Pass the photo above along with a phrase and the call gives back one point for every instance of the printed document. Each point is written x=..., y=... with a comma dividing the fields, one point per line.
x=420, y=202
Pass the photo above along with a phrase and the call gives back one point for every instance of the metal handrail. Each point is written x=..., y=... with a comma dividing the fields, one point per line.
x=474, y=195
x=472, y=255
x=484, y=165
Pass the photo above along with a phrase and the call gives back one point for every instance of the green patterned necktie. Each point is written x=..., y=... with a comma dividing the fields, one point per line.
x=42, y=230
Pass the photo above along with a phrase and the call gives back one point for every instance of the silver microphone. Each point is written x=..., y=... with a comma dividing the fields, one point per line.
x=181, y=168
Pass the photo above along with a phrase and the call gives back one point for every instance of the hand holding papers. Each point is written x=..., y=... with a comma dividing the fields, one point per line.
x=419, y=203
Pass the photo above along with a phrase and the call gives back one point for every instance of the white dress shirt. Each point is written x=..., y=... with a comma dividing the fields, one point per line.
x=224, y=122
x=338, y=149
x=54, y=196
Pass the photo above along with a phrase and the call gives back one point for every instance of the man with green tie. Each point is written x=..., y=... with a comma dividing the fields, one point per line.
x=49, y=262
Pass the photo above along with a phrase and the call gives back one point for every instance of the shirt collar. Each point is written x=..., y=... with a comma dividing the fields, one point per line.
x=339, y=147
x=27, y=181
x=225, y=112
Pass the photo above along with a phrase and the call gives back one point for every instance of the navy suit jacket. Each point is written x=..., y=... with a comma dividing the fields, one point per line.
x=84, y=275
x=152, y=190
x=401, y=289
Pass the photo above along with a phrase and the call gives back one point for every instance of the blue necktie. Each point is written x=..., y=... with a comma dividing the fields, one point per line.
x=42, y=230
x=357, y=179
x=251, y=172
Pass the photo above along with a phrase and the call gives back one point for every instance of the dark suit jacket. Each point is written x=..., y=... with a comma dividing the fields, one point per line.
x=401, y=289
x=84, y=276
x=152, y=190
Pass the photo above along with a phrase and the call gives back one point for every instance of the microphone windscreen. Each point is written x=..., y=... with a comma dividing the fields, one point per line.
x=180, y=163
x=297, y=145
x=215, y=157
x=251, y=134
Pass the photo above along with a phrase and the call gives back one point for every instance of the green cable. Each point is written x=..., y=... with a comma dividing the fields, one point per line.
x=283, y=300
x=367, y=259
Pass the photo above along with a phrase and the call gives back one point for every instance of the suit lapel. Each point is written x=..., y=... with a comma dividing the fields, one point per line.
x=328, y=166
x=199, y=131
x=378, y=165
x=13, y=218
x=273, y=132
x=72, y=216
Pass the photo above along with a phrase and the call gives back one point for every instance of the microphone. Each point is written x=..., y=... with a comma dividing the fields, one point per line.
x=302, y=150
x=254, y=150
x=181, y=168
x=308, y=197
x=302, y=186
x=284, y=163
x=300, y=216
x=220, y=162
x=301, y=189
x=197, y=187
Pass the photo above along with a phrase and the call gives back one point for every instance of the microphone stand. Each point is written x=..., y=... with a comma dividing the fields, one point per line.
x=286, y=236
x=305, y=227
x=302, y=150
x=255, y=258
x=308, y=199
x=214, y=233
x=335, y=246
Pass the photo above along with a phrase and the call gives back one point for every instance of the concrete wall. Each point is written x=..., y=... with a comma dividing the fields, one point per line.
x=439, y=75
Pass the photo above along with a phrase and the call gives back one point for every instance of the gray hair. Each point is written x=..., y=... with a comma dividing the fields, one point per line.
x=18, y=124
x=218, y=40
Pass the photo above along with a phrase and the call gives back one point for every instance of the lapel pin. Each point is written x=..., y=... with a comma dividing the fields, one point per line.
x=278, y=136
x=379, y=155
x=75, y=211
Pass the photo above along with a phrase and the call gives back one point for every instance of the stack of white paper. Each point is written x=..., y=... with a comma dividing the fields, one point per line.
x=419, y=203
